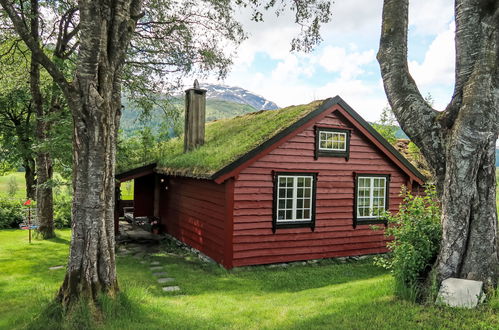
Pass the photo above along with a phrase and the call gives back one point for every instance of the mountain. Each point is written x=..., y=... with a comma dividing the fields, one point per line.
x=238, y=95
x=221, y=102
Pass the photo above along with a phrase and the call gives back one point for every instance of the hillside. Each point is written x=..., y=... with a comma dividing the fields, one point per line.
x=221, y=102
x=215, y=109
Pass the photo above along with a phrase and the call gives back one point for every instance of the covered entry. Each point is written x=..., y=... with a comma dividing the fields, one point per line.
x=143, y=210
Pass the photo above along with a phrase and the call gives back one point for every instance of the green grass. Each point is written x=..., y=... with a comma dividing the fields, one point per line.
x=127, y=190
x=229, y=139
x=19, y=181
x=323, y=296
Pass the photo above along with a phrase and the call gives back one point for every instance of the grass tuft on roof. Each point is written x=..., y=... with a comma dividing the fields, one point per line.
x=227, y=140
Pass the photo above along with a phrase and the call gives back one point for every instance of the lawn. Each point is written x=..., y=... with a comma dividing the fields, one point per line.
x=325, y=295
x=126, y=188
x=16, y=178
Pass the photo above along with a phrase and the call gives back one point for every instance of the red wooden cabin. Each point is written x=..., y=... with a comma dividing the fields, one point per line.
x=309, y=191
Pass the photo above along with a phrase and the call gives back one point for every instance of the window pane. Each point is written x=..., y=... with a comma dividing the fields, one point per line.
x=289, y=215
x=282, y=203
x=306, y=214
x=299, y=193
x=280, y=215
x=306, y=203
x=299, y=214
x=299, y=203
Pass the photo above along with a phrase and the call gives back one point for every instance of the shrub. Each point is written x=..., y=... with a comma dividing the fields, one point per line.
x=11, y=212
x=415, y=232
x=62, y=210
x=12, y=186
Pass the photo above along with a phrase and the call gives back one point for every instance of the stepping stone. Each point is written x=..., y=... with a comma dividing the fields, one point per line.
x=142, y=262
x=166, y=280
x=56, y=267
x=157, y=268
x=456, y=292
x=159, y=274
x=171, y=288
x=155, y=263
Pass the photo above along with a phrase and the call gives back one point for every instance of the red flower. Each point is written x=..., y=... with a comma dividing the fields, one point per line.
x=28, y=202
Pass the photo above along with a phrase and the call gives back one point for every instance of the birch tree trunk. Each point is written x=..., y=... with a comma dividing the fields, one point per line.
x=95, y=102
x=458, y=143
x=29, y=177
x=105, y=31
x=44, y=194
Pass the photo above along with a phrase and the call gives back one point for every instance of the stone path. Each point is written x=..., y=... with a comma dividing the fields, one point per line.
x=155, y=266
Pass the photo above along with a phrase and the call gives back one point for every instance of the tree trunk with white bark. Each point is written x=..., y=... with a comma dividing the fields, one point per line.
x=44, y=193
x=95, y=102
x=459, y=142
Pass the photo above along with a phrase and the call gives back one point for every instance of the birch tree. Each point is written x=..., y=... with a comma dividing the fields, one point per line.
x=459, y=142
x=104, y=33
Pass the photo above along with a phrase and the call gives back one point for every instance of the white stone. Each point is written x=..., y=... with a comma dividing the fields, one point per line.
x=159, y=274
x=166, y=280
x=56, y=267
x=456, y=292
x=155, y=263
x=171, y=288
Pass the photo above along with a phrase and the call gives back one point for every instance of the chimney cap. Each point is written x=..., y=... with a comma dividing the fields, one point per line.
x=196, y=88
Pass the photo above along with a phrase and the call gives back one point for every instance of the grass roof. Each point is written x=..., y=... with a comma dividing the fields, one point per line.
x=227, y=140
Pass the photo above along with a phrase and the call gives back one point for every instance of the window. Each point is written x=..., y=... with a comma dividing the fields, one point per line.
x=294, y=200
x=371, y=198
x=332, y=142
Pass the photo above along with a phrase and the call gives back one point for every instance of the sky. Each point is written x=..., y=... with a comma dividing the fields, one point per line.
x=345, y=63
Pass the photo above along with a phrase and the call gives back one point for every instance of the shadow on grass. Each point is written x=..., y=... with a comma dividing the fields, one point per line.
x=196, y=278
x=121, y=312
x=59, y=240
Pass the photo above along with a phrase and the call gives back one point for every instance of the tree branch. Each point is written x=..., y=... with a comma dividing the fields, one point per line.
x=41, y=57
x=416, y=117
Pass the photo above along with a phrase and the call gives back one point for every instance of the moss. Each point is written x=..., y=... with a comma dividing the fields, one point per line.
x=227, y=140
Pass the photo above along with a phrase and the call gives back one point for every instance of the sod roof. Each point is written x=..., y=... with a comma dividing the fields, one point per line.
x=227, y=140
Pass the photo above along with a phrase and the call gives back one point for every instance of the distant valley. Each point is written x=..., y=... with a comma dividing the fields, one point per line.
x=221, y=102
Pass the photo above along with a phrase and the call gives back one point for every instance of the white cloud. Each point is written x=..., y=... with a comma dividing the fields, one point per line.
x=337, y=59
x=438, y=64
x=430, y=17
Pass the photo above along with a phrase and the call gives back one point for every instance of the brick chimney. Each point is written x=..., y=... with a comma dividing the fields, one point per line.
x=195, y=114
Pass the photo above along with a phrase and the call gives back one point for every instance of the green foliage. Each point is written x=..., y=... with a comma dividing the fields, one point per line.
x=62, y=210
x=416, y=234
x=11, y=212
x=387, y=125
x=12, y=187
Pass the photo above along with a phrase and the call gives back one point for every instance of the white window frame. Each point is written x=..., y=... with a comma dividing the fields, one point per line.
x=371, y=196
x=332, y=134
x=295, y=198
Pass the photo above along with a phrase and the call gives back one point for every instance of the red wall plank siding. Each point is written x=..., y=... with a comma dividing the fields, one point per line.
x=334, y=234
x=143, y=196
x=194, y=212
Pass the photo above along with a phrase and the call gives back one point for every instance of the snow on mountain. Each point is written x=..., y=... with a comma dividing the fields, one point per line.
x=238, y=95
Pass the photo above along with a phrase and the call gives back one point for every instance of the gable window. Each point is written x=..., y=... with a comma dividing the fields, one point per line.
x=371, y=198
x=294, y=200
x=332, y=142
